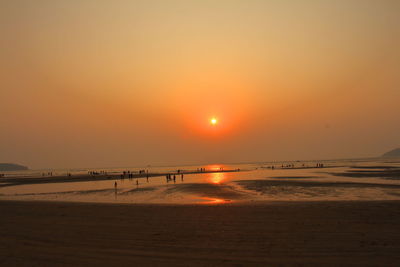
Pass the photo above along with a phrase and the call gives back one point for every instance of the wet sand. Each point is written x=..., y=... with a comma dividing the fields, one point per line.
x=275, y=233
x=387, y=173
x=210, y=187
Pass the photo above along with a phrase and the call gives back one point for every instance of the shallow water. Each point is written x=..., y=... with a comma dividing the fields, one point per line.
x=256, y=183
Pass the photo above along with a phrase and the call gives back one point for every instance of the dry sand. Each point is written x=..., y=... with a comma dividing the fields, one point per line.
x=277, y=233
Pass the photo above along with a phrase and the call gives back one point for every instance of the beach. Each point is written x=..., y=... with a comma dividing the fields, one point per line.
x=277, y=233
x=341, y=214
x=338, y=180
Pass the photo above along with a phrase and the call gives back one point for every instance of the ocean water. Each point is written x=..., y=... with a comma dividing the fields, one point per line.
x=356, y=179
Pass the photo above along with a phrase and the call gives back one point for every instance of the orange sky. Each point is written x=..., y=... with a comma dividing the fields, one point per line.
x=125, y=83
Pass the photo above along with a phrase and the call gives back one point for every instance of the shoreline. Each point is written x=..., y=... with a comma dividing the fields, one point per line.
x=245, y=203
x=15, y=181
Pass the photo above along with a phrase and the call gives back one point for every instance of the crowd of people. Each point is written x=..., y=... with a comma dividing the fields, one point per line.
x=93, y=173
x=172, y=177
x=292, y=166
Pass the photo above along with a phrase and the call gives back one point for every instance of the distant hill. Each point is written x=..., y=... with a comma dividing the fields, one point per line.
x=12, y=167
x=395, y=153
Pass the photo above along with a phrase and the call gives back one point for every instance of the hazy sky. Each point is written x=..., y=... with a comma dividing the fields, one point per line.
x=125, y=83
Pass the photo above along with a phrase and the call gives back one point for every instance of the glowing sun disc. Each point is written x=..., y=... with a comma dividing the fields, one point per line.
x=213, y=121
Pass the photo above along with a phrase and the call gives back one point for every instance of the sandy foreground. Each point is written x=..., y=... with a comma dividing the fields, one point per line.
x=277, y=233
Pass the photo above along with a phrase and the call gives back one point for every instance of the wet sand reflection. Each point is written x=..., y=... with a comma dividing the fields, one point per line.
x=216, y=178
x=210, y=200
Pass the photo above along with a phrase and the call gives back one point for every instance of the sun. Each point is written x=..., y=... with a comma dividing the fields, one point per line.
x=213, y=121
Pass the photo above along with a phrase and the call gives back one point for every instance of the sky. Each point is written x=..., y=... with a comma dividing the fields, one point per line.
x=95, y=83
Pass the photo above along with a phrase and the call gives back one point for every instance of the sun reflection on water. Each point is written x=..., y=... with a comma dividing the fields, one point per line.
x=216, y=178
x=214, y=167
x=211, y=200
